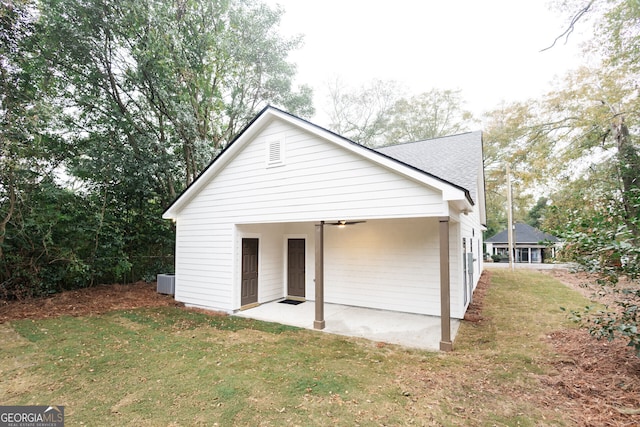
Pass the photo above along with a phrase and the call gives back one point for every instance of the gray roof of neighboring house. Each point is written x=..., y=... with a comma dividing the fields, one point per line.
x=456, y=159
x=523, y=233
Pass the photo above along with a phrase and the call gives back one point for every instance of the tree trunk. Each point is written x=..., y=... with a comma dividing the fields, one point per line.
x=8, y=215
x=629, y=170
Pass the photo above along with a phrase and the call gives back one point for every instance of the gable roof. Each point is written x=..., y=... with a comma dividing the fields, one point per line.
x=455, y=158
x=523, y=233
x=451, y=190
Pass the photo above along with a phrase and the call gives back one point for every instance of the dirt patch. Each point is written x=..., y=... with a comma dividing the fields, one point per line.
x=597, y=381
x=88, y=301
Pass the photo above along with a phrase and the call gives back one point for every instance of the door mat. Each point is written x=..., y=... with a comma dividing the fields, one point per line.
x=290, y=302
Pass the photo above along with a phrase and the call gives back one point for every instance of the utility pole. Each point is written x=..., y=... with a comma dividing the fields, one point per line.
x=509, y=219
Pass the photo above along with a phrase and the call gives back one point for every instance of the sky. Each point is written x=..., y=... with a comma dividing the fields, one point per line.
x=490, y=50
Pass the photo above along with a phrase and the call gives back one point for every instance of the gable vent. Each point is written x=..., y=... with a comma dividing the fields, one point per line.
x=275, y=152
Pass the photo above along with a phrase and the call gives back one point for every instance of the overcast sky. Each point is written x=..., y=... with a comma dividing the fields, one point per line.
x=488, y=49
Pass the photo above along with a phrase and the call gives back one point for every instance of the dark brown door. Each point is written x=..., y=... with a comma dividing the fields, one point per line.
x=295, y=275
x=249, y=271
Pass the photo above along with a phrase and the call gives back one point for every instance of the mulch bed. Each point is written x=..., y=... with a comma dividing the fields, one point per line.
x=597, y=381
x=474, y=311
x=83, y=302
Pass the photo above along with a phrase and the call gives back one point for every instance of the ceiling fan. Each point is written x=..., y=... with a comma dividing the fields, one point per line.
x=343, y=223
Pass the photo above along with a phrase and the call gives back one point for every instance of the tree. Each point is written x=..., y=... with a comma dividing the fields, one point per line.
x=363, y=114
x=171, y=80
x=429, y=115
x=14, y=27
x=591, y=118
x=594, y=117
x=25, y=153
x=537, y=214
x=598, y=120
x=378, y=113
x=510, y=139
x=131, y=99
x=38, y=235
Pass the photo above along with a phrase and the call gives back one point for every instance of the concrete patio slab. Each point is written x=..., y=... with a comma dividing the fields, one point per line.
x=406, y=329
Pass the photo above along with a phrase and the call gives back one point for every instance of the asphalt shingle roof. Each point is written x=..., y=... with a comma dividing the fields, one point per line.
x=523, y=233
x=455, y=159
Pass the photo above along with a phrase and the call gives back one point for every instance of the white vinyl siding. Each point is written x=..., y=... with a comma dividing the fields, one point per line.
x=387, y=264
x=270, y=261
x=201, y=259
x=455, y=271
x=318, y=181
x=470, y=229
x=275, y=151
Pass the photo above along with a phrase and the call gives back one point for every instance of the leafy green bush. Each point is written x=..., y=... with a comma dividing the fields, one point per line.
x=604, y=241
x=58, y=239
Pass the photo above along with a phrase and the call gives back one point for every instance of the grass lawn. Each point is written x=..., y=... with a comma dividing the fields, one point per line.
x=171, y=366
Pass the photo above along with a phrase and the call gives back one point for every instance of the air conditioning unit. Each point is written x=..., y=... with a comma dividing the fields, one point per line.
x=166, y=284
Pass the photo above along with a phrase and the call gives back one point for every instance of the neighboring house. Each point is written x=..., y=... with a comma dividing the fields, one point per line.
x=292, y=210
x=531, y=245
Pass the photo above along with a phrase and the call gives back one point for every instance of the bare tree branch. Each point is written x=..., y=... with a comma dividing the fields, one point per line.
x=571, y=26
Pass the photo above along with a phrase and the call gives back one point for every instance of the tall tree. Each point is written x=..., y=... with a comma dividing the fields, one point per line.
x=35, y=252
x=379, y=113
x=592, y=116
x=362, y=114
x=25, y=154
x=537, y=214
x=594, y=120
x=510, y=139
x=131, y=99
x=164, y=78
x=428, y=115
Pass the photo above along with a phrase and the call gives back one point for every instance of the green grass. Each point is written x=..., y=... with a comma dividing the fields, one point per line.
x=170, y=366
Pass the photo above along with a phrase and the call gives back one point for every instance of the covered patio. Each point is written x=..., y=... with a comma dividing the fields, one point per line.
x=351, y=273
x=406, y=329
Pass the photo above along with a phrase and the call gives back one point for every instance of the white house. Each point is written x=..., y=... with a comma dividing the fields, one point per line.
x=292, y=210
x=530, y=244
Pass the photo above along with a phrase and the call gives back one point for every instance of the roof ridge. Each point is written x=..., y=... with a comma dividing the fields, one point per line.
x=395, y=144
